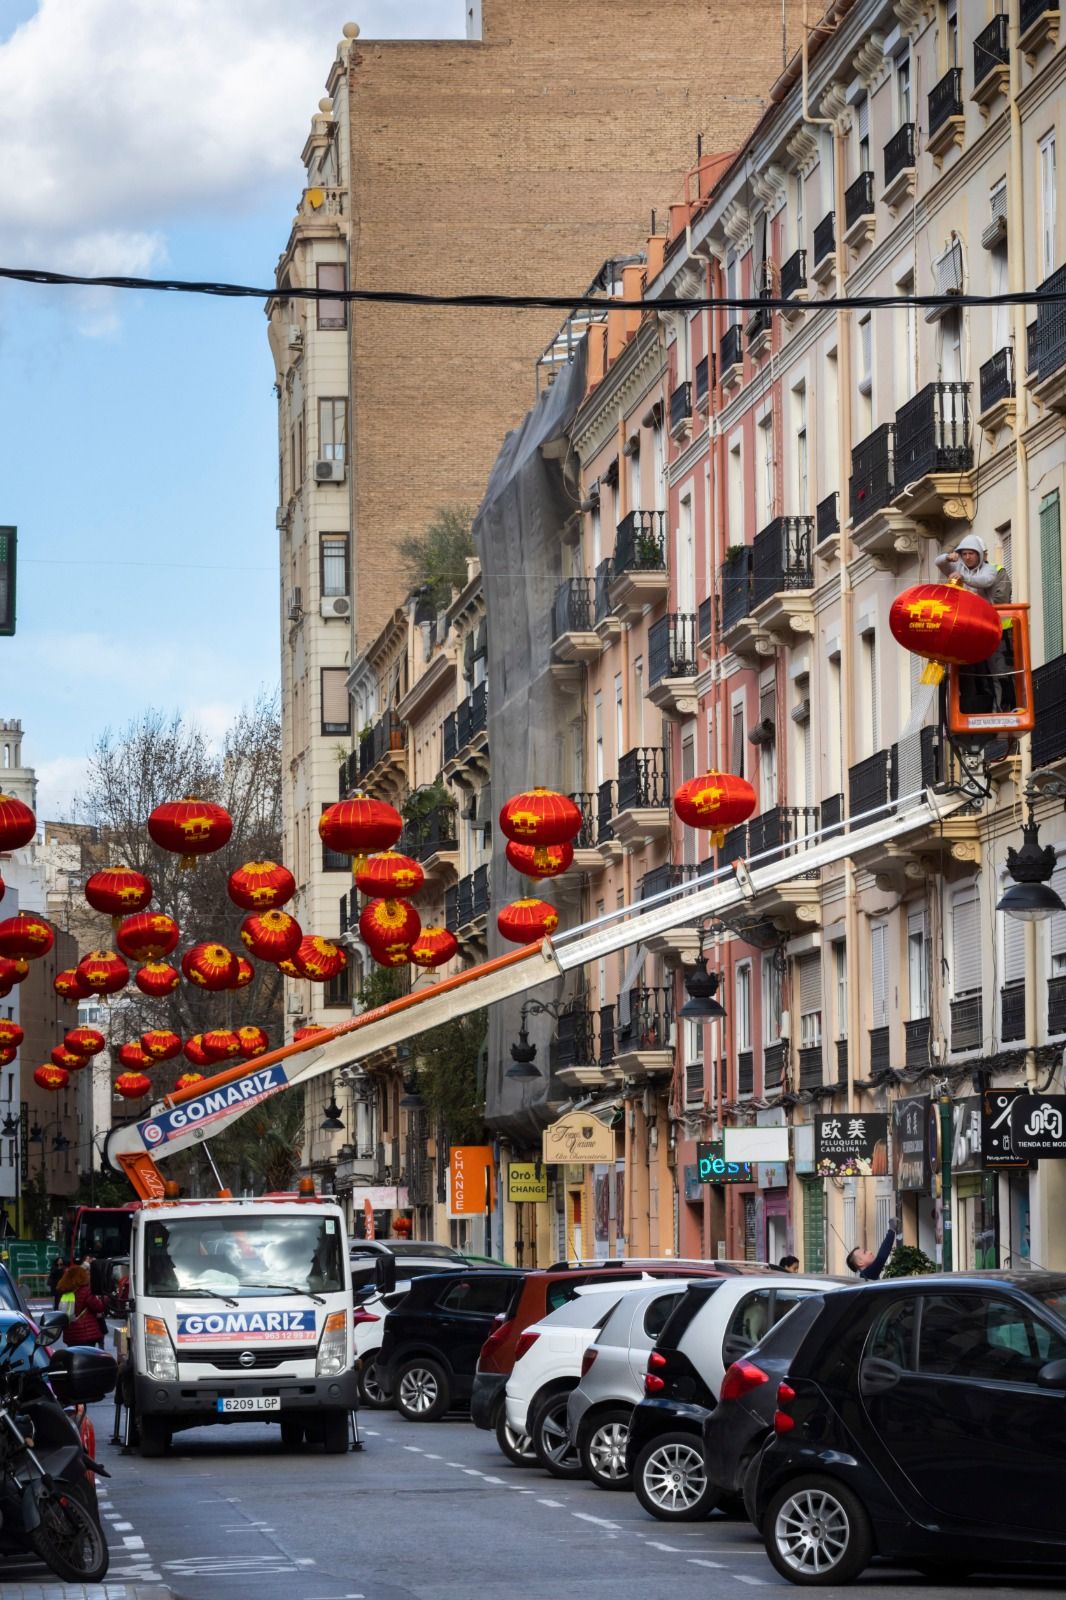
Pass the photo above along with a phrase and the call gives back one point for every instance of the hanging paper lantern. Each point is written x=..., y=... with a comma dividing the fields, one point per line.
x=946, y=623
x=527, y=921
x=271, y=935
x=359, y=826
x=540, y=861
x=261, y=886
x=433, y=947
x=194, y=1051
x=210, y=966
x=390, y=875
x=157, y=978
x=8, y=1052
x=103, y=972
x=118, y=891
x=190, y=828
x=289, y=968
x=391, y=955
x=161, y=1044
x=715, y=800
x=540, y=817
x=132, y=1085
x=307, y=1033
x=187, y=1080
x=70, y=984
x=18, y=825
x=11, y=1035
x=320, y=959
x=13, y=971
x=245, y=973
x=51, y=1077
x=69, y=1060
x=86, y=1041
x=147, y=936
x=253, y=1041
x=25, y=937
x=220, y=1044
x=133, y=1057
x=389, y=922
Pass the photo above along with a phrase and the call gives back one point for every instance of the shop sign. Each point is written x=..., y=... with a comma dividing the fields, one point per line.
x=470, y=1169
x=966, y=1135
x=578, y=1139
x=526, y=1180
x=911, y=1145
x=1038, y=1126
x=851, y=1146
x=714, y=1168
x=998, y=1151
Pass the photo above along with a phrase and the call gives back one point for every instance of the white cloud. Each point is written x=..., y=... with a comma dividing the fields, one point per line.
x=59, y=784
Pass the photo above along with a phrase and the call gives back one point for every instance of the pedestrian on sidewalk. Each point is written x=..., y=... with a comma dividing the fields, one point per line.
x=866, y=1263
x=85, y=1309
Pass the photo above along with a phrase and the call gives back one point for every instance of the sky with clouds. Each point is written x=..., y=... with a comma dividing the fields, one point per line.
x=138, y=453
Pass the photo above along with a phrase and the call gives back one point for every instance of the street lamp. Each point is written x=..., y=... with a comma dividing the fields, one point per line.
x=331, y=1121
x=523, y=1053
x=701, y=986
x=1030, y=897
x=411, y=1099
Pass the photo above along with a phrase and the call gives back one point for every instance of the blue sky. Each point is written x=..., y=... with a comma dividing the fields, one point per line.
x=138, y=452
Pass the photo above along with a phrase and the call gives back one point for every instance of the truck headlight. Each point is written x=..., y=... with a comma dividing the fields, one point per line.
x=159, y=1357
x=332, y=1347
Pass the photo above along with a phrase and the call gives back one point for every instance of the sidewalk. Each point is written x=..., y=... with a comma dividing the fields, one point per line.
x=53, y=1589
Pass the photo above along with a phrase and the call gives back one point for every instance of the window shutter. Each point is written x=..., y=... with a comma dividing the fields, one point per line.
x=1051, y=574
x=336, y=711
x=737, y=750
x=1058, y=920
x=694, y=1083
x=1014, y=946
x=810, y=983
x=863, y=114
x=965, y=944
x=879, y=973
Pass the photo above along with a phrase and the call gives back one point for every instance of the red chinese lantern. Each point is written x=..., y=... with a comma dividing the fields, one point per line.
x=433, y=947
x=715, y=800
x=161, y=1044
x=187, y=1080
x=194, y=1051
x=118, y=891
x=190, y=828
x=103, y=972
x=3, y=888
x=18, y=825
x=946, y=623
x=147, y=936
x=390, y=875
x=261, y=886
x=540, y=817
x=359, y=826
x=8, y=1053
x=69, y=1060
x=245, y=973
x=85, y=1041
x=553, y=859
x=271, y=935
x=527, y=921
x=70, y=985
x=389, y=922
x=220, y=1044
x=307, y=1033
x=132, y=1085
x=210, y=966
x=320, y=959
x=11, y=1035
x=253, y=1041
x=51, y=1078
x=25, y=937
x=157, y=978
x=393, y=955
x=133, y=1057
x=12, y=972
x=289, y=968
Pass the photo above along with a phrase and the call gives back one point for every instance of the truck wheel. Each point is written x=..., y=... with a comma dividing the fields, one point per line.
x=155, y=1436
x=371, y=1394
x=335, y=1433
x=292, y=1433
x=421, y=1390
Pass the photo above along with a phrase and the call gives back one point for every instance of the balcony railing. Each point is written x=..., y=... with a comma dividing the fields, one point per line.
x=703, y=380
x=842, y=1061
x=794, y=274
x=575, y=1044
x=997, y=378
x=734, y=846
x=670, y=875
x=605, y=809
x=781, y=557
x=966, y=1022
x=1031, y=349
x=736, y=589
x=945, y=99
x=990, y=49
x=586, y=804
x=1049, y=703
x=859, y=199
x=873, y=783
x=680, y=405
x=704, y=618
x=916, y=1037
x=933, y=433
x=773, y=1065
x=827, y=517
x=1050, y=338
x=469, y=899
x=672, y=647
x=388, y=733
x=872, y=479
x=810, y=1066
x=602, y=583
x=782, y=830
x=607, y=1035
x=640, y=543
x=729, y=350
x=1056, y=1004
x=349, y=775
x=1032, y=9
x=572, y=609
x=745, y=1072
x=430, y=834
x=641, y=779
x=759, y=322
x=825, y=237
x=465, y=722
x=832, y=814
x=880, y=1053
x=1012, y=1012
x=899, y=152
x=650, y=1018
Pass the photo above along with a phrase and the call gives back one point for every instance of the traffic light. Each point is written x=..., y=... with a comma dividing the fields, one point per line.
x=7, y=582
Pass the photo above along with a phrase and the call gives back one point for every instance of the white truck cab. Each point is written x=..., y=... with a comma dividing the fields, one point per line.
x=241, y=1311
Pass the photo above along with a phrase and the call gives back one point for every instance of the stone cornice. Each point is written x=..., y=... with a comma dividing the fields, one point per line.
x=643, y=362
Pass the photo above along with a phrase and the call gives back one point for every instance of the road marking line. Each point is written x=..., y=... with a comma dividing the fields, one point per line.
x=492, y=1480
x=134, y=1542
x=430, y=1457
x=601, y=1522
x=742, y=1577
x=416, y=1449
x=556, y=1503
x=123, y=1527
x=674, y=1549
x=453, y=1463
x=695, y=1561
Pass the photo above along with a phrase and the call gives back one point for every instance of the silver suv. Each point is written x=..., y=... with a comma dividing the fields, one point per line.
x=612, y=1380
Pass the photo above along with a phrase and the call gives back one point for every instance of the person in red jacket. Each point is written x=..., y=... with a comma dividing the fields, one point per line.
x=86, y=1310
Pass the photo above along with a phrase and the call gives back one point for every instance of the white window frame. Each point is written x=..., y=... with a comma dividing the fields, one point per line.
x=742, y=1006
x=1048, y=204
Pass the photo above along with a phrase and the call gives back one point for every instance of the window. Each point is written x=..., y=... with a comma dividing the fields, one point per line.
x=338, y=991
x=965, y=942
x=691, y=840
x=742, y=1018
x=905, y=332
x=336, y=707
x=840, y=986
x=862, y=132
x=1048, y=203
x=736, y=738
x=871, y=697
x=768, y=751
x=879, y=974
x=638, y=697
x=982, y=1336
x=917, y=965
x=797, y=210
x=735, y=531
x=951, y=35
x=657, y=1312
x=331, y=313
x=333, y=564
x=764, y=468
x=1057, y=930
x=619, y=721
x=799, y=413
x=597, y=731
x=892, y=1335
x=1051, y=574
x=809, y=986
x=772, y=1000
x=332, y=860
x=333, y=430
x=597, y=537
x=865, y=354
x=903, y=89
x=483, y=1294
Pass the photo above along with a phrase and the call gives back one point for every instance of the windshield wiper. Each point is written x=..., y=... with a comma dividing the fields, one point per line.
x=214, y=1293
x=286, y=1288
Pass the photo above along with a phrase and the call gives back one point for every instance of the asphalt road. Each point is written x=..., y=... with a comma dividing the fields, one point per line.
x=424, y=1512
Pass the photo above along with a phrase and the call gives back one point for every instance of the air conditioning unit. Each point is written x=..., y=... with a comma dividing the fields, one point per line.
x=296, y=336
x=294, y=605
x=329, y=471
x=337, y=605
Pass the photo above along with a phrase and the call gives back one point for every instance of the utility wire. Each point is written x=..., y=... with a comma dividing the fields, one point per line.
x=551, y=302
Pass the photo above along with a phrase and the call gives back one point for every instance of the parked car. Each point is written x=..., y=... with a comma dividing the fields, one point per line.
x=612, y=1381
x=713, y=1325
x=371, y=1309
x=431, y=1340
x=409, y=1258
x=921, y=1420
x=11, y=1296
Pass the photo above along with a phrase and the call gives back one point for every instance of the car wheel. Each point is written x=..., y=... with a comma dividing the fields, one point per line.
x=603, y=1449
x=155, y=1436
x=817, y=1532
x=421, y=1390
x=555, y=1450
x=670, y=1479
x=371, y=1394
x=517, y=1447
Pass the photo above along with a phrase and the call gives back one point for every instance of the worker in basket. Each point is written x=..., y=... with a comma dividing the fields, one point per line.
x=987, y=685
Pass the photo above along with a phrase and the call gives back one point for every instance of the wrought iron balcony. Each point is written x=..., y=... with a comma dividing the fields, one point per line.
x=916, y=1040
x=827, y=517
x=602, y=588
x=1031, y=350
x=759, y=323
x=880, y=1051
x=349, y=775
x=607, y=1035
x=605, y=809
x=670, y=875
x=781, y=558
x=730, y=349
x=640, y=543
x=773, y=1065
x=650, y=1018
x=872, y=478
x=873, y=783
x=933, y=433
x=859, y=199
x=388, y=735
x=997, y=379
x=704, y=379
x=586, y=804
x=1056, y=1004
x=1012, y=1012
x=672, y=647
x=990, y=50
x=794, y=274
x=575, y=1043
x=810, y=1066
x=745, y=1072
x=825, y=238
x=1033, y=11
x=704, y=618
x=945, y=99
x=431, y=834
x=1049, y=704
x=899, y=154
x=842, y=1061
x=1050, y=337
x=736, y=587
x=832, y=814
x=966, y=1023
x=680, y=407
x=572, y=608
x=462, y=725
x=734, y=846
x=641, y=780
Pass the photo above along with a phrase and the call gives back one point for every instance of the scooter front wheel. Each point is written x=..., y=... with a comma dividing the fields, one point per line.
x=69, y=1538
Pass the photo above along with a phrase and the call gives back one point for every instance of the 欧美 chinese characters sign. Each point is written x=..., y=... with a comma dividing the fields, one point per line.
x=851, y=1146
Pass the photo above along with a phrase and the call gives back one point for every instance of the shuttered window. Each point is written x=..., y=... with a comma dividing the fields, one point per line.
x=879, y=973
x=736, y=753
x=809, y=985
x=1058, y=922
x=1013, y=945
x=1051, y=574
x=917, y=965
x=813, y=1225
x=336, y=707
x=965, y=942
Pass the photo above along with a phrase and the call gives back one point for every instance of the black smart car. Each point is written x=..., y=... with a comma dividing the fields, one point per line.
x=432, y=1340
x=922, y=1420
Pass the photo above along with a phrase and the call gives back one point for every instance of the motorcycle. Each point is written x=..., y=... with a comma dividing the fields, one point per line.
x=47, y=1488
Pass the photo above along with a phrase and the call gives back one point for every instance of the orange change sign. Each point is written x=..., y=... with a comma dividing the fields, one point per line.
x=471, y=1175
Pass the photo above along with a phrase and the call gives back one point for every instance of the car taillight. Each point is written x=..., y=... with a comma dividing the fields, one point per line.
x=656, y=1360
x=740, y=1379
x=495, y=1339
x=359, y=1315
x=588, y=1358
x=783, y=1423
x=653, y=1384
x=526, y=1341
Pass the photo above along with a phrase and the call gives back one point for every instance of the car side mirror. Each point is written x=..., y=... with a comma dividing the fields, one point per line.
x=53, y=1326
x=1052, y=1375
x=385, y=1273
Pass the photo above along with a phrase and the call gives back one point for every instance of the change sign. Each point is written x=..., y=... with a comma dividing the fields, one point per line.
x=851, y=1146
x=1038, y=1125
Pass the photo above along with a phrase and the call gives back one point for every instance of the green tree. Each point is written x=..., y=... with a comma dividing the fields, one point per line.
x=436, y=558
x=447, y=1060
x=907, y=1261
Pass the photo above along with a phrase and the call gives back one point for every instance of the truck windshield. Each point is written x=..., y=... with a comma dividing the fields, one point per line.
x=245, y=1256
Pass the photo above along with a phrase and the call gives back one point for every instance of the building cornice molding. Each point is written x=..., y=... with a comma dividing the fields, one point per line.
x=640, y=365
